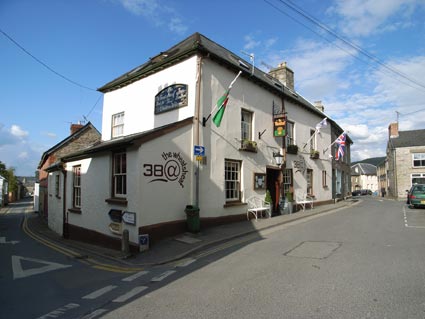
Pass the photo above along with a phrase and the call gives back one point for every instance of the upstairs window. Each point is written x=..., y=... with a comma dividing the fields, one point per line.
x=246, y=125
x=419, y=160
x=312, y=140
x=118, y=125
x=290, y=133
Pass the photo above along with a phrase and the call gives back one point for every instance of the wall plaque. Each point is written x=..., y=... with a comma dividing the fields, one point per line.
x=170, y=98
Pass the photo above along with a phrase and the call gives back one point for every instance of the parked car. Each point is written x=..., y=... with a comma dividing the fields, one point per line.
x=356, y=192
x=416, y=195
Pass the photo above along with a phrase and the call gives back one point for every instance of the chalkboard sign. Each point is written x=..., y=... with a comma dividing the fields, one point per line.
x=170, y=98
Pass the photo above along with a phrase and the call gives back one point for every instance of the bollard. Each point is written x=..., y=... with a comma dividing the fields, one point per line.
x=125, y=246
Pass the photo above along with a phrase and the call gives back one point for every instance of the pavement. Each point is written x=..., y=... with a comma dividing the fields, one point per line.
x=176, y=247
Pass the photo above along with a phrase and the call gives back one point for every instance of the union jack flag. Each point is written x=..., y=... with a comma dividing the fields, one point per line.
x=341, y=146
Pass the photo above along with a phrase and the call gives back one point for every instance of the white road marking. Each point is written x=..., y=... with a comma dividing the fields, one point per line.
x=3, y=241
x=163, y=275
x=100, y=292
x=135, y=276
x=406, y=224
x=60, y=311
x=95, y=314
x=185, y=262
x=18, y=272
x=130, y=294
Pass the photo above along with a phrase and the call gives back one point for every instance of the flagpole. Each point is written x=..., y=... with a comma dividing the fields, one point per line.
x=324, y=151
x=205, y=119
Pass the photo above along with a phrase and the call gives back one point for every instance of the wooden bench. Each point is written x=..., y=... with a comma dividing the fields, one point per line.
x=301, y=198
x=257, y=206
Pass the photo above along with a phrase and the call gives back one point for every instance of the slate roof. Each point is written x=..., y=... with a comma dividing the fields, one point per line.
x=62, y=143
x=200, y=44
x=126, y=141
x=364, y=169
x=408, y=139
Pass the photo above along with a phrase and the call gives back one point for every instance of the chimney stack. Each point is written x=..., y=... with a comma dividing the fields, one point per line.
x=393, y=130
x=75, y=127
x=318, y=105
x=284, y=75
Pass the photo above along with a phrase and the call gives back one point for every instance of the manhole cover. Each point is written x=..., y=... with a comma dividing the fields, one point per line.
x=313, y=249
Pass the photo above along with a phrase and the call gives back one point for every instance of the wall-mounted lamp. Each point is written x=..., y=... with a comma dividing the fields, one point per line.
x=278, y=158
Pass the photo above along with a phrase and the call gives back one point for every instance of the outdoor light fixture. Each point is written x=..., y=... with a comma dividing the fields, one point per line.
x=278, y=158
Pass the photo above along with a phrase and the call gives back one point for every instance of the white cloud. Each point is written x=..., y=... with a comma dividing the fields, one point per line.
x=365, y=17
x=15, y=130
x=157, y=13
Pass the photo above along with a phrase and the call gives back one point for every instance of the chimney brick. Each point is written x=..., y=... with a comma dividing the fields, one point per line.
x=75, y=128
x=393, y=130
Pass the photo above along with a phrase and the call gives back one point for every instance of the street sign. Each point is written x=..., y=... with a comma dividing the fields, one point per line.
x=129, y=218
x=199, y=158
x=199, y=150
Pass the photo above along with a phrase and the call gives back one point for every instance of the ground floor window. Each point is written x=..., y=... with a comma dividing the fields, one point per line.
x=76, y=198
x=310, y=182
x=287, y=181
x=119, y=179
x=418, y=178
x=232, y=179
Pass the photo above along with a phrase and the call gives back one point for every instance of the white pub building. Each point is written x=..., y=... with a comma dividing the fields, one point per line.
x=161, y=151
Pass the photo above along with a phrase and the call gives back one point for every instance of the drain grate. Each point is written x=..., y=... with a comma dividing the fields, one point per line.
x=313, y=249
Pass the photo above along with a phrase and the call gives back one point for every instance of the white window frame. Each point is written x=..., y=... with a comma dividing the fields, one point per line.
x=119, y=174
x=419, y=157
x=76, y=184
x=232, y=180
x=246, y=125
x=117, y=125
x=290, y=130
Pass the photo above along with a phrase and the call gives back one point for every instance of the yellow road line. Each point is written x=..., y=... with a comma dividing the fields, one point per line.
x=70, y=253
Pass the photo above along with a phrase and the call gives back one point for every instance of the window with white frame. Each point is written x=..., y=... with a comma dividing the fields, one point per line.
x=76, y=184
x=246, y=125
x=290, y=133
x=309, y=178
x=324, y=179
x=118, y=125
x=119, y=178
x=418, y=178
x=419, y=160
x=312, y=140
x=287, y=181
x=232, y=179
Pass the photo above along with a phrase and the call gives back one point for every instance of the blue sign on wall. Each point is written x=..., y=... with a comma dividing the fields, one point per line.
x=199, y=150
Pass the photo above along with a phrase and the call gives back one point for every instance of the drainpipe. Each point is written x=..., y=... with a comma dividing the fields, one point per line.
x=65, y=230
x=197, y=125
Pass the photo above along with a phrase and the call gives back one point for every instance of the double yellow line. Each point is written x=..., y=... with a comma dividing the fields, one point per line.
x=70, y=253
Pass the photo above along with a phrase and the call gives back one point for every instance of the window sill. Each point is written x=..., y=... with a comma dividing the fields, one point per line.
x=232, y=204
x=75, y=210
x=117, y=201
x=247, y=149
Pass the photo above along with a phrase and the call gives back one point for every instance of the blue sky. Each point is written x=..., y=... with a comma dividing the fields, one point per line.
x=364, y=59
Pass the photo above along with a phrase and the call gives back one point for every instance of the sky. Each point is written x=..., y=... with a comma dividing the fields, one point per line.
x=364, y=59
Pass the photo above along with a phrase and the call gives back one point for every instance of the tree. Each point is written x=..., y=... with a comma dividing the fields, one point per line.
x=3, y=171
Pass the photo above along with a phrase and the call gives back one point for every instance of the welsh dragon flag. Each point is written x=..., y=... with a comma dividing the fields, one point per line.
x=222, y=103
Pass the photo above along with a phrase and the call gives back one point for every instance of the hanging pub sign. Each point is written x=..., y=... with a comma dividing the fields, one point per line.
x=170, y=98
x=279, y=125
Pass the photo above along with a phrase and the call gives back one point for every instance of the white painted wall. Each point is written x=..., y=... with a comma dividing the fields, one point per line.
x=137, y=100
x=55, y=207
